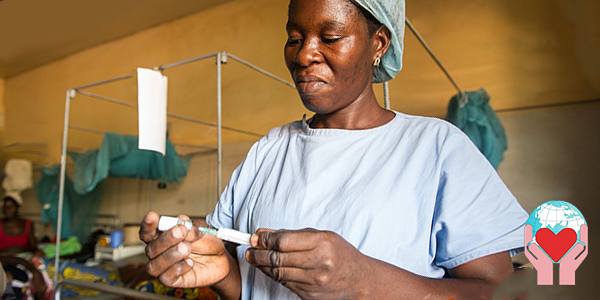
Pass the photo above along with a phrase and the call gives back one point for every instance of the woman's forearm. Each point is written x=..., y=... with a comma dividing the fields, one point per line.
x=385, y=281
x=230, y=288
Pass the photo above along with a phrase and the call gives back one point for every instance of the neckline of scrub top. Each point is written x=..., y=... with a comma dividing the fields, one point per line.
x=337, y=131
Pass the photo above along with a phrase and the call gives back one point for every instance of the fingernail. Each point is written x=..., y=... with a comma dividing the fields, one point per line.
x=177, y=233
x=182, y=248
x=247, y=255
x=254, y=240
x=190, y=262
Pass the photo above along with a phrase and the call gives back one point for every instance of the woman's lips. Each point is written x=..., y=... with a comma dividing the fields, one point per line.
x=310, y=87
x=309, y=84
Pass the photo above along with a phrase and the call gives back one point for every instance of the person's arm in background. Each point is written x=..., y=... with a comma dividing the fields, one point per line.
x=33, y=246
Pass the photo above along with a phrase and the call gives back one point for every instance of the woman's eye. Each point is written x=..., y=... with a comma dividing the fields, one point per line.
x=293, y=41
x=330, y=40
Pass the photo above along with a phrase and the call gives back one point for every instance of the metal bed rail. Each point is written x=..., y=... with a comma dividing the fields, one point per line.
x=109, y=289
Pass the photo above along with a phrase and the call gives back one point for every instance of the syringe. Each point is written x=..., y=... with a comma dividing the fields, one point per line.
x=165, y=223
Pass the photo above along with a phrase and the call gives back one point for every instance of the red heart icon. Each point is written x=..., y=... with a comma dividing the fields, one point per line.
x=556, y=245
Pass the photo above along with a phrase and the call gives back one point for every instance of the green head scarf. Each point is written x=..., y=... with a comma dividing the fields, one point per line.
x=390, y=13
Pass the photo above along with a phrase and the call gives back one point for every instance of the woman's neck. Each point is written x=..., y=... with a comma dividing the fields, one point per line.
x=362, y=113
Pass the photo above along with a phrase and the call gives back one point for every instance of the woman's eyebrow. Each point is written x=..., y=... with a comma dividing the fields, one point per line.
x=329, y=24
x=290, y=25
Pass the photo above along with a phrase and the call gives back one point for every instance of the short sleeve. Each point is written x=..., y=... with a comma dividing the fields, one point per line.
x=235, y=192
x=475, y=213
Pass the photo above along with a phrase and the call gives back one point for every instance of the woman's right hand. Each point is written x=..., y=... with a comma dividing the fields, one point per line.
x=183, y=258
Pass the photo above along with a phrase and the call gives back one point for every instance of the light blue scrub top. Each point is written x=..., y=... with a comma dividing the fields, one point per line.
x=414, y=192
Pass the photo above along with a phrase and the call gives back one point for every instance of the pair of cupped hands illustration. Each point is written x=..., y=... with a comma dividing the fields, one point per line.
x=562, y=248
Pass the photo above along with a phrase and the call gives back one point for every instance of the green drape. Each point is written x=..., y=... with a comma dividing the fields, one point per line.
x=479, y=122
x=78, y=209
x=118, y=156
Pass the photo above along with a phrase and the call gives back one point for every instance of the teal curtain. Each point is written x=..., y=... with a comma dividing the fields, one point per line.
x=78, y=209
x=476, y=118
x=118, y=156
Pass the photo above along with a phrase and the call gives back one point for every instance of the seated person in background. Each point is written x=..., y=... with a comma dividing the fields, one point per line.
x=17, y=236
x=16, y=233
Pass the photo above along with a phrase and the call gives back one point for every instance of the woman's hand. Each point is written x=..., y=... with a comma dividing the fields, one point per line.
x=311, y=263
x=183, y=258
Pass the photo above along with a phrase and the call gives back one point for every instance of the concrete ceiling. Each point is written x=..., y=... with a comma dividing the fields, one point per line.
x=33, y=32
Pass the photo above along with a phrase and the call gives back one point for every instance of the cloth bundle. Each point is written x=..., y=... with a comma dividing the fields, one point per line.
x=17, y=178
x=476, y=118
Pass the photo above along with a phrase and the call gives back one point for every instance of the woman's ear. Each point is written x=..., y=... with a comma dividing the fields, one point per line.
x=381, y=41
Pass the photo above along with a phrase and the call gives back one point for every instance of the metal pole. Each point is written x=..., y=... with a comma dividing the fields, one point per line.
x=61, y=190
x=107, y=289
x=192, y=120
x=433, y=56
x=107, y=99
x=161, y=68
x=219, y=125
x=170, y=115
x=386, y=95
x=101, y=82
x=186, y=61
x=261, y=70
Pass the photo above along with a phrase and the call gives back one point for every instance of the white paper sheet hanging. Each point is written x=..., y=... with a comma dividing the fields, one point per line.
x=152, y=110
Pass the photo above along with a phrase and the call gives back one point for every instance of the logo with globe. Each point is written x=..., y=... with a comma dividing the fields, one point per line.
x=556, y=233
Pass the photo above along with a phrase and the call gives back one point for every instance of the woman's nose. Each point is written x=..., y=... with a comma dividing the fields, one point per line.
x=309, y=53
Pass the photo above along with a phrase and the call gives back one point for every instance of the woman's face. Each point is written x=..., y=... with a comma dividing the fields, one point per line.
x=9, y=208
x=329, y=53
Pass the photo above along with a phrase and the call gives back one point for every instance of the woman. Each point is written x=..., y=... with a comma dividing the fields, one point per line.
x=16, y=237
x=16, y=233
x=402, y=207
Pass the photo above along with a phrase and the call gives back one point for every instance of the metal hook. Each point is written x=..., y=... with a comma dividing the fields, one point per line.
x=463, y=99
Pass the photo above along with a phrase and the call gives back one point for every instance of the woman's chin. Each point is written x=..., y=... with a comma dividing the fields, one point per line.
x=318, y=105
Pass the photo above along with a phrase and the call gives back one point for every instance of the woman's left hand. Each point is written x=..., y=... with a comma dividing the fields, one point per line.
x=311, y=263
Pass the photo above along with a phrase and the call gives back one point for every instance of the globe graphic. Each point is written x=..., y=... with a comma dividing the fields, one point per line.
x=556, y=216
